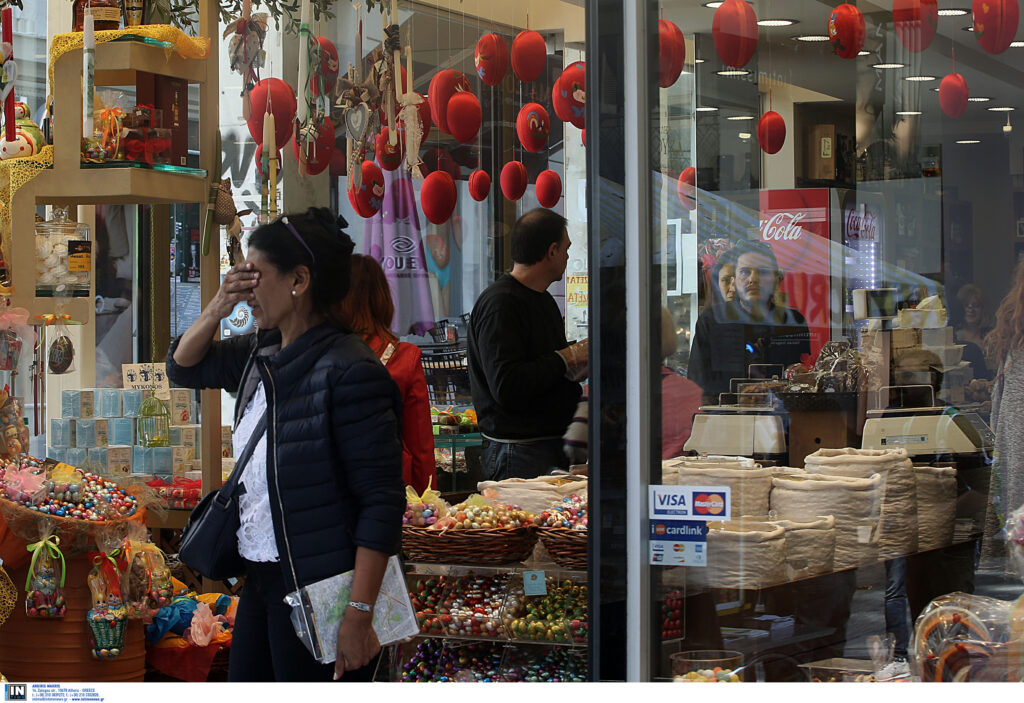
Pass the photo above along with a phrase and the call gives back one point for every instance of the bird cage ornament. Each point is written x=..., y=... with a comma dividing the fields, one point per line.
x=154, y=423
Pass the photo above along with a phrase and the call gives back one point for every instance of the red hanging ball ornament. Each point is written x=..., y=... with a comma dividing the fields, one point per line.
x=953, y=94
x=533, y=126
x=328, y=72
x=529, y=55
x=846, y=31
x=316, y=157
x=368, y=198
x=491, y=59
x=282, y=105
x=438, y=196
x=442, y=87
x=438, y=159
x=734, y=31
x=671, y=53
x=389, y=157
x=479, y=185
x=916, y=22
x=995, y=23
x=513, y=180
x=771, y=132
x=568, y=94
x=548, y=188
x=464, y=116
x=686, y=188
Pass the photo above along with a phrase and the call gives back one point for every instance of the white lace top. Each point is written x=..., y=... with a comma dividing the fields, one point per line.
x=256, y=533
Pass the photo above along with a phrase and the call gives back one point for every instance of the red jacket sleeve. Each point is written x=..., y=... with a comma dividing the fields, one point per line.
x=418, y=465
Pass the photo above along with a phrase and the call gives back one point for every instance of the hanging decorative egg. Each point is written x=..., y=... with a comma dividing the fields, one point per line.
x=61, y=354
x=686, y=188
x=548, y=188
x=282, y=105
x=513, y=180
x=529, y=55
x=479, y=185
x=771, y=132
x=438, y=196
x=367, y=199
x=734, y=31
x=533, y=126
x=846, y=30
x=671, y=53
x=442, y=87
x=389, y=156
x=464, y=116
x=916, y=22
x=316, y=157
x=953, y=94
x=995, y=23
x=569, y=94
x=491, y=59
x=328, y=70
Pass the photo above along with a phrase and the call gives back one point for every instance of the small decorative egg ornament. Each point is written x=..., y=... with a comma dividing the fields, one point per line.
x=995, y=23
x=846, y=31
x=513, y=180
x=389, y=156
x=442, y=87
x=479, y=185
x=533, y=126
x=368, y=198
x=328, y=67
x=686, y=188
x=282, y=105
x=438, y=196
x=953, y=94
x=548, y=188
x=771, y=132
x=734, y=32
x=464, y=116
x=916, y=22
x=671, y=53
x=529, y=55
x=491, y=59
x=316, y=157
x=569, y=94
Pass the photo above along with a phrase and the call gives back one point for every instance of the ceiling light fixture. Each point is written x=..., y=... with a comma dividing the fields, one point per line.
x=886, y=66
x=908, y=112
x=733, y=72
x=714, y=5
x=954, y=12
x=744, y=135
x=978, y=99
x=698, y=60
x=969, y=28
x=811, y=38
x=919, y=79
x=1007, y=128
x=1016, y=44
x=707, y=109
x=1001, y=109
x=968, y=141
x=737, y=118
x=863, y=53
x=776, y=23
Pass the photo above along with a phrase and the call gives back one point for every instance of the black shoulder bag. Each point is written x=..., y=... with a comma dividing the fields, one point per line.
x=209, y=543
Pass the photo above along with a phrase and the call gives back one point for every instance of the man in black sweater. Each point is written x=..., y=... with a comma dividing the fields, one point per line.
x=522, y=372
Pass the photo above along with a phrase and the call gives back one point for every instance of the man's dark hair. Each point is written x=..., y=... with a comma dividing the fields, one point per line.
x=534, y=233
x=750, y=246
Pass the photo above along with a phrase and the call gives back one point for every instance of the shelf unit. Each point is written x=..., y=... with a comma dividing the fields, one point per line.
x=67, y=183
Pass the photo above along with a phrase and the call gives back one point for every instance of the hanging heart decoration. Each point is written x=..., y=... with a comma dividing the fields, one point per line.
x=356, y=118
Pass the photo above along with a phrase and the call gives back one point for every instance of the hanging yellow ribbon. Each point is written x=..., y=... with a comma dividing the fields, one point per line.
x=50, y=544
x=53, y=319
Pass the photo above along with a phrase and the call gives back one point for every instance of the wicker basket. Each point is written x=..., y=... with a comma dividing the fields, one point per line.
x=567, y=547
x=494, y=546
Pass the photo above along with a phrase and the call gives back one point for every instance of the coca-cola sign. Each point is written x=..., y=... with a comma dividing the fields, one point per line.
x=782, y=226
x=862, y=224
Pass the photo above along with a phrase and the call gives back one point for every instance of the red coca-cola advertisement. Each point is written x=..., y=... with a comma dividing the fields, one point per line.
x=795, y=224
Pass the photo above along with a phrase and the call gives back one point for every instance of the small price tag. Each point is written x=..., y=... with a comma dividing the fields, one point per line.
x=864, y=534
x=534, y=583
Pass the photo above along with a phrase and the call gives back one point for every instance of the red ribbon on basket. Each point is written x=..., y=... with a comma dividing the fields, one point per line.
x=147, y=148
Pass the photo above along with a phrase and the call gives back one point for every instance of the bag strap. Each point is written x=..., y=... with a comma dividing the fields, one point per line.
x=261, y=427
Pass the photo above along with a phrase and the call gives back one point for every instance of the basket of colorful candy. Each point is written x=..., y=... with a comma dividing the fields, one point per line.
x=563, y=531
x=473, y=532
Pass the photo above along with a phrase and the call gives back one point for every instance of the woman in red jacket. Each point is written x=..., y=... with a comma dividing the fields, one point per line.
x=368, y=311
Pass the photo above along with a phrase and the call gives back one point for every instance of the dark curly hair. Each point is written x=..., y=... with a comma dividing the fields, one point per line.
x=328, y=257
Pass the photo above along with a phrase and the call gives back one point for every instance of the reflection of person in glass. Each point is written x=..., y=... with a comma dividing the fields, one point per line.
x=972, y=323
x=752, y=329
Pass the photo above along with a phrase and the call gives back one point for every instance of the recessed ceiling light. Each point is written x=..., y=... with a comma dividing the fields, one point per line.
x=978, y=99
x=698, y=60
x=919, y=79
x=733, y=72
x=954, y=12
x=969, y=28
x=776, y=23
x=936, y=90
x=1016, y=44
x=968, y=141
x=886, y=65
x=714, y=5
x=812, y=38
x=744, y=135
x=1000, y=109
x=908, y=112
x=863, y=53
x=707, y=109
x=737, y=118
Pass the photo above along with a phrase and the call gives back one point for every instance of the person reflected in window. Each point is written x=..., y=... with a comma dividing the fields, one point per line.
x=752, y=329
x=680, y=397
x=723, y=280
x=972, y=323
x=368, y=310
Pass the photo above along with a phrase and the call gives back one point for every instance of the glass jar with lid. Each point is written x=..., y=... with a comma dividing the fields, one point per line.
x=63, y=257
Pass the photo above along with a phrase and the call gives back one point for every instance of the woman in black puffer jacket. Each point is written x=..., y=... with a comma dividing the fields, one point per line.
x=323, y=489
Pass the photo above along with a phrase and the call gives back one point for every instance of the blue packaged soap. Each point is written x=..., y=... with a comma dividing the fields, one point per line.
x=122, y=431
x=163, y=461
x=76, y=404
x=62, y=433
x=77, y=456
x=108, y=402
x=142, y=460
x=131, y=401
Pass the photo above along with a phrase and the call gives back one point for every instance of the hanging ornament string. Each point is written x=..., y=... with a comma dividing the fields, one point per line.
x=51, y=545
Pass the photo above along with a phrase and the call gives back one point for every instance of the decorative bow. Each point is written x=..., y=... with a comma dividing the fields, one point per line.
x=109, y=569
x=53, y=319
x=17, y=320
x=49, y=544
x=110, y=123
x=147, y=148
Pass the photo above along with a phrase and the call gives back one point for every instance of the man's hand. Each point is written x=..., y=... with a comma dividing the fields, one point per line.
x=576, y=357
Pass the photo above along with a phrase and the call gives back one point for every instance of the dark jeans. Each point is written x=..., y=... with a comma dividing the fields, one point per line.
x=264, y=646
x=896, y=617
x=522, y=460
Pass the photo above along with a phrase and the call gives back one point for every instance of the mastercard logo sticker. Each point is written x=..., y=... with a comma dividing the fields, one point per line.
x=709, y=504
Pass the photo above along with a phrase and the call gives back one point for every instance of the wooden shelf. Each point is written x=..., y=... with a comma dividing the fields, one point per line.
x=118, y=186
x=118, y=62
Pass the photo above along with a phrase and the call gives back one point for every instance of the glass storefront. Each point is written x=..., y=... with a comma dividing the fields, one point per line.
x=811, y=215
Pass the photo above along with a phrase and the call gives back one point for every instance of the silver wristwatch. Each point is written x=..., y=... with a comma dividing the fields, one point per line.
x=365, y=607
